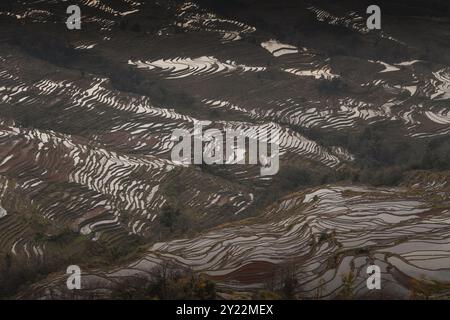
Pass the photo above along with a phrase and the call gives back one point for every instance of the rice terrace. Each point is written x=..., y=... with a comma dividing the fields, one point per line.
x=118, y=179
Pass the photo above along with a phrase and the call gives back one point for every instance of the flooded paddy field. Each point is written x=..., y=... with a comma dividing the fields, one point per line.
x=86, y=132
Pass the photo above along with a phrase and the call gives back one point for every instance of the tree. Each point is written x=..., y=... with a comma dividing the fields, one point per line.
x=169, y=216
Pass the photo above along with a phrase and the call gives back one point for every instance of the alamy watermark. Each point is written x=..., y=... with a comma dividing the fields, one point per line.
x=73, y=22
x=254, y=145
x=374, y=280
x=374, y=20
